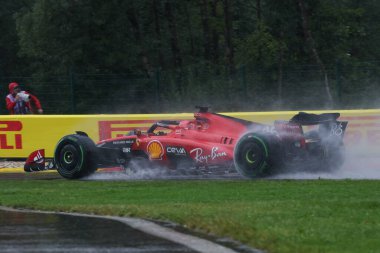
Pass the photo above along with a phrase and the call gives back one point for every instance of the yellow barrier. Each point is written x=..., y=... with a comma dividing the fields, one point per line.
x=22, y=134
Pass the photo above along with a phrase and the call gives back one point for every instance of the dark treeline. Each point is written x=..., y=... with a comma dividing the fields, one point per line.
x=238, y=53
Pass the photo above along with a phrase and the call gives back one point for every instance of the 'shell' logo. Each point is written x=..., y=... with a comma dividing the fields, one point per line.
x=155, y=150
x=9, y=136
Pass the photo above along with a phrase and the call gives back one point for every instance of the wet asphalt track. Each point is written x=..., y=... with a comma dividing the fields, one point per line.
x=29, y=231
x=32, y=232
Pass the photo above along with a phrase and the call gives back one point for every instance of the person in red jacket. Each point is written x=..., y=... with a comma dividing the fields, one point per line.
x=21, y=102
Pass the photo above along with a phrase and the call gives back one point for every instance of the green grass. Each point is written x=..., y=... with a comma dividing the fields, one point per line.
x=277, y=216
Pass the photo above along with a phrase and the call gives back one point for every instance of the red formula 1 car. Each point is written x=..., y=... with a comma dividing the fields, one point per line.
x=210, y=139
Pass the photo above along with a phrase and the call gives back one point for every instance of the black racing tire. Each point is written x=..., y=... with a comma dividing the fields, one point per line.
x=75, y=156
x=251, y=156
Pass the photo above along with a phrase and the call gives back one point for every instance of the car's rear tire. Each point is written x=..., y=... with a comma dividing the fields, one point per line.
x=252, y=157
x=75, y=156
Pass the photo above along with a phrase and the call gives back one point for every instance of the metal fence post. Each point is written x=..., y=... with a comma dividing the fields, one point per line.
x=158, y=77
x=339, y=80
x=243, y=81
x=72, y=86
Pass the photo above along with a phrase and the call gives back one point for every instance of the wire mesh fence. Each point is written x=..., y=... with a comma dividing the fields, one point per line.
x=249, y=88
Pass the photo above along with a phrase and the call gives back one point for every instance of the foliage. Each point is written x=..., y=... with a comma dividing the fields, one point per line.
x=44, y=39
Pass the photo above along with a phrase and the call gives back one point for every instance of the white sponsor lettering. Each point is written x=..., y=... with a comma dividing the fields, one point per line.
x=204, y=158
x=123, y=142
x=126, y=150
x=336, y=129
x=118, y=142
x=269, y=129
x=38, y=158
x=176, y=150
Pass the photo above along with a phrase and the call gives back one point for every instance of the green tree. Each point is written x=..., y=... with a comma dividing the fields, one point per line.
x=201, y=47
x=10, y=62
x=90, y=36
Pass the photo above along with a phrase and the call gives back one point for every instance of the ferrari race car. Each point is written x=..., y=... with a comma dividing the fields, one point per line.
x=310, y=141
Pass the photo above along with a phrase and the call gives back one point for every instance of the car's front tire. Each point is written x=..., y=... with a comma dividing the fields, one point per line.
x=75, y=156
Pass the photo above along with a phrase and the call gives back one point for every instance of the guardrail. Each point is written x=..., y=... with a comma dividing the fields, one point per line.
x=22, y=134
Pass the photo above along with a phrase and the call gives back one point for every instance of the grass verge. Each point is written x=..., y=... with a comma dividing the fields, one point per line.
x=277, y=216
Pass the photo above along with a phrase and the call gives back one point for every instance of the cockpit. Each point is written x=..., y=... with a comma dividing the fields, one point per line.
x=163, y=127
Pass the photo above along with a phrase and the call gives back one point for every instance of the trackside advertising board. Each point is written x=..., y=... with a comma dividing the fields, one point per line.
x=22, y=134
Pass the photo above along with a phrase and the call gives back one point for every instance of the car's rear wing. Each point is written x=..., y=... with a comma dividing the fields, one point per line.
x=306, y=119
x=328, y=124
